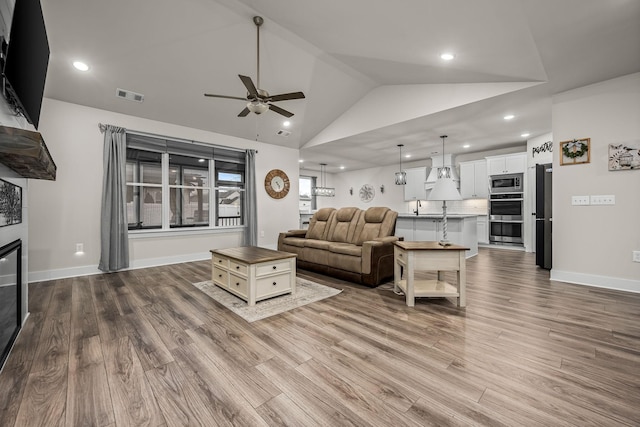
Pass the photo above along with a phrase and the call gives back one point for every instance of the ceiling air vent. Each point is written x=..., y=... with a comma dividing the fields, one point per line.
x=129, y=95
x=283, y=132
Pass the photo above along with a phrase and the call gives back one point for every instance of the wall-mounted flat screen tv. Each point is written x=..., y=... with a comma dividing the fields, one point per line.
x=27, y=58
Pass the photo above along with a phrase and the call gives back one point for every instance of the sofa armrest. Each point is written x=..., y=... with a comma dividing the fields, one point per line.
x=295, y=233
x=374, y=250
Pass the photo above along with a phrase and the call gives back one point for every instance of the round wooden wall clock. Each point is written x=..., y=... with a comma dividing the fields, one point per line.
x=277, y=184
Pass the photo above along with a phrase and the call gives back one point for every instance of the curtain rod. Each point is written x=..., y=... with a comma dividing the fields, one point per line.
x=103, y=127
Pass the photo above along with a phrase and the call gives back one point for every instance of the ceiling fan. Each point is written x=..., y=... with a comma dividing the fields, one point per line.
x=259, y=99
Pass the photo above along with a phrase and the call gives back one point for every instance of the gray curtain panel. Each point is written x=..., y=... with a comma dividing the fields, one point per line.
x=114, y=228
x=251, y=209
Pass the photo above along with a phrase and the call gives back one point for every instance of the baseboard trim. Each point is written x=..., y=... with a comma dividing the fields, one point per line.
x=63, y=273
x=606, y=282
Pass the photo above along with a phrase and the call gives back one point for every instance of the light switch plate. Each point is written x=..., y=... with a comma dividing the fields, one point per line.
x=580, y=200
x=603, y=200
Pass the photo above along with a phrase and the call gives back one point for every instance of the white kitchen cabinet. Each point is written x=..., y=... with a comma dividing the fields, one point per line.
x=404, y=228
x=512, y=163
x=414, y=189
x=483, y=229
x=474, y=183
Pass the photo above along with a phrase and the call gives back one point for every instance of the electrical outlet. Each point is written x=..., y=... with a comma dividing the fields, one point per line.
x=636, y=256
x=79, y=247
x=262, y=233
x=603, y=200
x=580, y=200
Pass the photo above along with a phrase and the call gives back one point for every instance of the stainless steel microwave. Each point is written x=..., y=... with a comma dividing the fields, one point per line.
x=507, y=183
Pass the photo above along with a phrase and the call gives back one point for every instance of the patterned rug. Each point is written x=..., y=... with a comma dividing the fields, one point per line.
x=306, y=293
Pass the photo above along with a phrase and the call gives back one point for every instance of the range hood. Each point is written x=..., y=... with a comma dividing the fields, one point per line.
x=436, y=164
x=25, y=152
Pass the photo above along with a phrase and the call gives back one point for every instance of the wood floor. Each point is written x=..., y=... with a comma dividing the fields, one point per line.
x=145, y=347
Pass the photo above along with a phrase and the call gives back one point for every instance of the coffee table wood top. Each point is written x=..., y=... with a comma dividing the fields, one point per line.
x=427, y=246
x=252, y=254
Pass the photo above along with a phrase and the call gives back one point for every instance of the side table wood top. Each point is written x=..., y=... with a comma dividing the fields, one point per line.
x=427, y=246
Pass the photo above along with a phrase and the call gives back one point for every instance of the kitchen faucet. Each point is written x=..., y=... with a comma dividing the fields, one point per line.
x=417, y=210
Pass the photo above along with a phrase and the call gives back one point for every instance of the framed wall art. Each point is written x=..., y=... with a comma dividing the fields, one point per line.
x=575, y=152
x=10, y=203
x=625, y=156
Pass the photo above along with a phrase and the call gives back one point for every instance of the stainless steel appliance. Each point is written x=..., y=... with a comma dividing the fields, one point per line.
x=507, y=183
x=506, y=220
x=543, y=215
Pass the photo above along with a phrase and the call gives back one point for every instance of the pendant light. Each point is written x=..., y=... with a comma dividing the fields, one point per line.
x=401, y=177
x=322, y=190
x=444, y=189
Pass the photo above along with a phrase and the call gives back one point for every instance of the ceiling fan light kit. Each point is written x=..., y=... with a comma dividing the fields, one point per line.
x=259, y=99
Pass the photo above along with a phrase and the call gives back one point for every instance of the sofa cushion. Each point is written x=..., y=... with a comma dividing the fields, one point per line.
x=317, y=244
x=295, y=241
x=319, y=224
x=346, y=248
x=343, y=225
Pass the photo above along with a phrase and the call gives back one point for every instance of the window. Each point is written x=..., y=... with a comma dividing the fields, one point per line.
x=306, y=197
x=144, y=189
x=229, y=190
x=169, y=184
x=188, y=191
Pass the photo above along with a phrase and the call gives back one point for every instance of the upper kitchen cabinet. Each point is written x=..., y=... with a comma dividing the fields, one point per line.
x=414, y=189
x=473, y=180
x=512, y=163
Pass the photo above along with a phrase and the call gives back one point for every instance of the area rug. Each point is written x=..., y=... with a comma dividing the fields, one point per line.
x=306, y=293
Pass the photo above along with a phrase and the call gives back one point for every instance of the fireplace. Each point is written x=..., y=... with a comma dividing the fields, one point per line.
x=10, y=296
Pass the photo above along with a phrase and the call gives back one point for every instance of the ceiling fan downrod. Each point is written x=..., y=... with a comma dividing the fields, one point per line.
x=258, y=21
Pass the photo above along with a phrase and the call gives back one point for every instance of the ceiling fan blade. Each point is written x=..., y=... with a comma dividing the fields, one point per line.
x=244, y=112
x=224, y=96
x=251, y=88
x=287, y=96
x=279, y=110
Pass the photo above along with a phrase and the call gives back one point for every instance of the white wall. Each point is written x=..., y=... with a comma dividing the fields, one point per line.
x=67, y=211
x=593, y=244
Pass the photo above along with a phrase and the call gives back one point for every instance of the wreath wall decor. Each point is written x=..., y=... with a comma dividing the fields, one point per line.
x=575, y=152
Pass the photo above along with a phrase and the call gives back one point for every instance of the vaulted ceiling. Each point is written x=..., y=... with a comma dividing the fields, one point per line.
x=370, y=69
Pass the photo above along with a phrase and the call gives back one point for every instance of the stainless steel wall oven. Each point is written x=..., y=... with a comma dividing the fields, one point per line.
x=506, y=218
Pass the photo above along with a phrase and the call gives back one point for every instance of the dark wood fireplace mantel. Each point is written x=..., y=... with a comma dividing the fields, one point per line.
x=26, y=153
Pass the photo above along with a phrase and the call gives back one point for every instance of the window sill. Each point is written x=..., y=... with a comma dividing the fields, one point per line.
x=144, y=234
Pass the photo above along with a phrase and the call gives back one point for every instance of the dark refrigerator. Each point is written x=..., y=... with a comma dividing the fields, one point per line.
x=543, y=215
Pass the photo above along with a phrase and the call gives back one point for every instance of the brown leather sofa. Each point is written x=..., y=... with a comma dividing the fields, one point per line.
x=347, y=243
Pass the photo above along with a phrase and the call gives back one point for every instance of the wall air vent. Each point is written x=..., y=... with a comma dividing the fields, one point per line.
x=129, y=95
x=283, y=132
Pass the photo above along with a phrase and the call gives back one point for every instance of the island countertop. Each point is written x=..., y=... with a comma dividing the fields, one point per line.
x=436, y=216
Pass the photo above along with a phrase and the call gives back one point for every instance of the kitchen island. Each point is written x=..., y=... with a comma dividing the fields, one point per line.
x=461, y=229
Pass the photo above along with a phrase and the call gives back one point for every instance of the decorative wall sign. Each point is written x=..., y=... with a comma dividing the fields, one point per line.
x=575, y=152
x=10, y=203
x=542, y=148
x=625, y=156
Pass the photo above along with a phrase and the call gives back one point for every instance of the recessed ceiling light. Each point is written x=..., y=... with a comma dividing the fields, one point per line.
x=466, y=146
x=447, y=56
x=407, y=156
x=81, y=66
x=509, y=117
x=301, y=161
x=201, y=160
x=341, y=167
x=286, y=123
x=524, y=135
